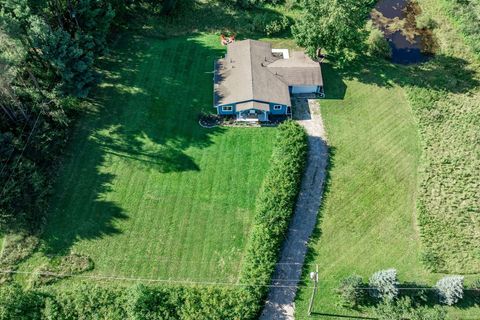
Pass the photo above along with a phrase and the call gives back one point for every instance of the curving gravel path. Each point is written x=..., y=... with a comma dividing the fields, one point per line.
x=280, y=301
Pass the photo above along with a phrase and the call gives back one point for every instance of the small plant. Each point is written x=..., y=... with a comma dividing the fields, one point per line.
x=450, y=289
x=384, y=284
x=350, y=291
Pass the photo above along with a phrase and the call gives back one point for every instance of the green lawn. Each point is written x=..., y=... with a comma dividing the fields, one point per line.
x=145, y=191
x=367, y=218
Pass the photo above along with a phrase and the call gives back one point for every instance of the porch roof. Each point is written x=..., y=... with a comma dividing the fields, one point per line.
x=252, y=105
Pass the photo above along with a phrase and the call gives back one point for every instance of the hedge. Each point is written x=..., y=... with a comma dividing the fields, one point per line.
x=274, y=208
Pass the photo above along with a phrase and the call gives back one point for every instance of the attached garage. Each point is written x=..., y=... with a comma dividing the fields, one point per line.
x=304, y=89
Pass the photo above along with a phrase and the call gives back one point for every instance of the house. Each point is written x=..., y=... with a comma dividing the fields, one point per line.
x=255, y=82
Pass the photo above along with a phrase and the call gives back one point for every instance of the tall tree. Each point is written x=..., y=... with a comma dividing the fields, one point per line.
x=333, y=25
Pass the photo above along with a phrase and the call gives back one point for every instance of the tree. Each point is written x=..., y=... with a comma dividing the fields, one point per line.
x=350, y=291
x=168, y=6
x=333, y=25
x=384, y=284
x=450, y=289
x=377, y=45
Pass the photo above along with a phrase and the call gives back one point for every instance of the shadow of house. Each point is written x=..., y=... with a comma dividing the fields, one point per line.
x=335, y=87
x=137, y=117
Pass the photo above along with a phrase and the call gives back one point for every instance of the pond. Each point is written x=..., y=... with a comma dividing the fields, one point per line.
x=398, y=20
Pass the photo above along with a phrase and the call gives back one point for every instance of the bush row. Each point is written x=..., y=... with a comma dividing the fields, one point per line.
x=90, y=301
x=384, y=287
x=274, y=207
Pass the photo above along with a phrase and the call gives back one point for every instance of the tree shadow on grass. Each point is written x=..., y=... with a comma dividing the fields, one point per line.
x=212, y=17
x=334, y=85
x=441, y=73
x=144, y=116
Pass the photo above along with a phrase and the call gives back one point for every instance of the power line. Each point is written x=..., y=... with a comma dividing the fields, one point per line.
x=162, y=260
x=118, y=278
x=187, y=282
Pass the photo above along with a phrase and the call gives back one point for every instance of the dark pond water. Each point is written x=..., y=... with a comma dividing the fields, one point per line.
x=396, y=18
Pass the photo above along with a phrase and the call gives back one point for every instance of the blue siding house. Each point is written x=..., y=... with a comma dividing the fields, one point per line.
x=255, y=82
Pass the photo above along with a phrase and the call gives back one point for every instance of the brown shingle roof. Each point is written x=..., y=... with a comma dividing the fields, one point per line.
x=250, y=71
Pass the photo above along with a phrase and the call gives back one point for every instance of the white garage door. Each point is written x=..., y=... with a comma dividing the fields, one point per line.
x=304, y=89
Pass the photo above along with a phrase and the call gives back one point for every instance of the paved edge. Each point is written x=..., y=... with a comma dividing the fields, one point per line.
x=280, y=301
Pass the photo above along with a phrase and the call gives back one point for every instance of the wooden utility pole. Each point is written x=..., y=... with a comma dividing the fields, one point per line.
x=314, y=277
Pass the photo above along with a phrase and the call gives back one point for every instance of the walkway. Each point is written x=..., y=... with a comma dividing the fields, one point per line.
x=280, y=301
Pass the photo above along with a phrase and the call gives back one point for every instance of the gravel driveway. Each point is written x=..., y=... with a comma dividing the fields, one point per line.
x=280, y=301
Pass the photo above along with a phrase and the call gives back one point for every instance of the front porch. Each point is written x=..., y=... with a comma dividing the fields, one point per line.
x=252, y=115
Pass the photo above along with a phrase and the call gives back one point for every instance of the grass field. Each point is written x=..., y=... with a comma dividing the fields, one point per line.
x=448, y=113
x=369, y=216
x=145, y=191
x=367, y=220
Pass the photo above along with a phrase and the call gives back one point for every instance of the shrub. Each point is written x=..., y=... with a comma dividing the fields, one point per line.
x=274, y=207
x=16, y=248
x=384, y=284
x=351, y=291
x=404, y=309
x=16, y=303
x=277, y=26
x=270, y=24
x=66, y=266
x=377, y=44
x=450, y=289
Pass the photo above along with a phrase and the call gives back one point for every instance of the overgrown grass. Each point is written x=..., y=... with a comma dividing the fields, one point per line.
x=466, y=17
x=145, y=191
x=448, y=120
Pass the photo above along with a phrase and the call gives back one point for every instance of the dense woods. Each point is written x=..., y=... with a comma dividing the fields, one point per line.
x=47, y=62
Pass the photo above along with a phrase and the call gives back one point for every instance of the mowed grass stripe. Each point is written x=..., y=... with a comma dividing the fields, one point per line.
x=147, y=191
x=368, y=210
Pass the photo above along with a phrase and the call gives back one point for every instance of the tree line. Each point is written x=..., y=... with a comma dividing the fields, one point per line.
x=48, y=52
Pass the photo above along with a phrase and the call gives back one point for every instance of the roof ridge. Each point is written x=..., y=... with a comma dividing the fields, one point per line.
x=251, y=66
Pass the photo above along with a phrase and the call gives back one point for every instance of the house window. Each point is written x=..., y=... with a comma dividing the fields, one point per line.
x=277, y=107
x=227, y=108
